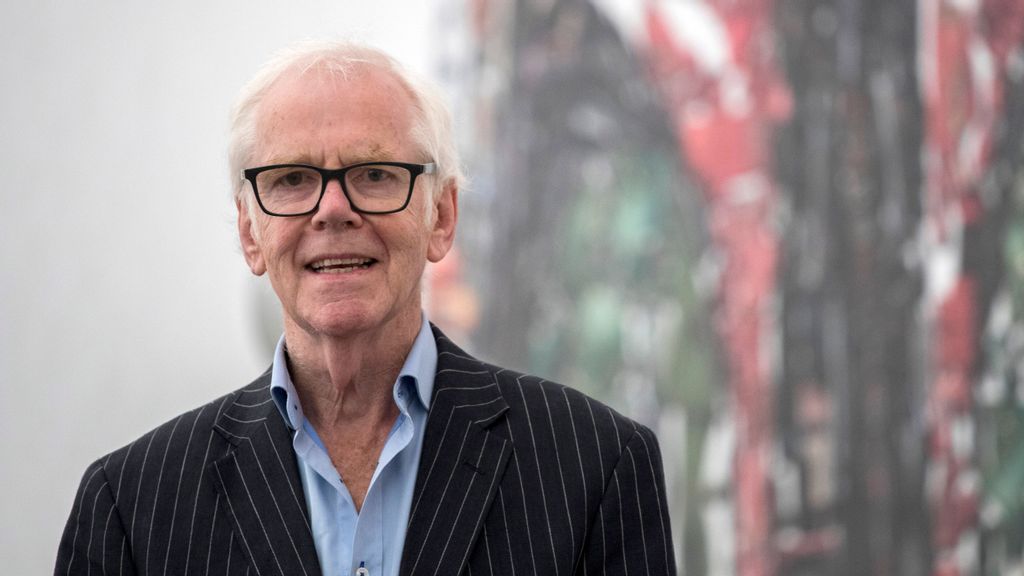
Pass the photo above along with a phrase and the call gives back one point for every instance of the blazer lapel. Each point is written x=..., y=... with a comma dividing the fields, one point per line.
x=259, y=481
x=461, y=465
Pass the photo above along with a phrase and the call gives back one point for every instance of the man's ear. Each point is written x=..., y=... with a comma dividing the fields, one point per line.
x=446, y=214
x=247, y=237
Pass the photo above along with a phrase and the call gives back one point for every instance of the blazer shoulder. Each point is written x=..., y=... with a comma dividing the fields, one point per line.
x=541, y=413
x=566, y=410
x=187, y=435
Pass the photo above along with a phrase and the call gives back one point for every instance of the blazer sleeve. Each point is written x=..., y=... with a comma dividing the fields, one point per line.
x=631, y=533
x=94, y=539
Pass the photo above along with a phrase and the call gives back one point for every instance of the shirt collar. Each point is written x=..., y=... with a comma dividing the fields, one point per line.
x=417, y=373
x=421, y=364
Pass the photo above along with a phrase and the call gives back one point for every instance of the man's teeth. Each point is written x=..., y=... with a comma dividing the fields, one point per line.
x=340, y=265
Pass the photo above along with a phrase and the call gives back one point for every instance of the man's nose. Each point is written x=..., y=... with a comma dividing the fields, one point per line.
x=335, y=207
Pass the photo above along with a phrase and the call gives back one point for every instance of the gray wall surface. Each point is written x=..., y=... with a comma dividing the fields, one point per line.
x=124, y=299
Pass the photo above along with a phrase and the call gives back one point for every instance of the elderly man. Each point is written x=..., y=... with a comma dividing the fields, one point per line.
x=373, y=444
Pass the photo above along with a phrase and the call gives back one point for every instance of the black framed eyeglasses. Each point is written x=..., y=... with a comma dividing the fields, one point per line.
x=370, y=187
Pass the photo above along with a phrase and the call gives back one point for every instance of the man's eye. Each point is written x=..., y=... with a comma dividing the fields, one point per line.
x=296, y=178
x=377, y=175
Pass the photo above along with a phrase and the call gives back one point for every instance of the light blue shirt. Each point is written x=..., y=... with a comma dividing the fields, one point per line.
x=374, y=537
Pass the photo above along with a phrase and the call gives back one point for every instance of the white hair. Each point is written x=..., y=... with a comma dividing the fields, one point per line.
x=432, y=125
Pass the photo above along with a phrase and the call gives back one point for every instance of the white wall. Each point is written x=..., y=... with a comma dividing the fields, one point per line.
x=124, y=299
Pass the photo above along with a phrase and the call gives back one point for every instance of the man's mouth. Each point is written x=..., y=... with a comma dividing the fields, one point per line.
x=340, y=265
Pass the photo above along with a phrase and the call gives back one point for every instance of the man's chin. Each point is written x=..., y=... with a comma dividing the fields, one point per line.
x=340, y=320
x=345, y=322
x=354, y=316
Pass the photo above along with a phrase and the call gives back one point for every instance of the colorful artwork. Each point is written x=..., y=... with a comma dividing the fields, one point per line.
x=789, y=236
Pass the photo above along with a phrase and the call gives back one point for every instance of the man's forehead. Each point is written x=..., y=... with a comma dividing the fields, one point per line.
x=304, y=112
x=275, y=152
x=330, y=84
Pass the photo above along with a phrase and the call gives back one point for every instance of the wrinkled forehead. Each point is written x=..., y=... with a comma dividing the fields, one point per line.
x=330, y=98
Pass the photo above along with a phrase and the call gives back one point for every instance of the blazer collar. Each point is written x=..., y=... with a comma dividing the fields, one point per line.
x=259, y=482
x=463, y=460
x=462, y=463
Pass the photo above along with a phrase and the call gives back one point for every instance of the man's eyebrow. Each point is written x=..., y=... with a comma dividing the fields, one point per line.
x=288, y=158
x=375, y=152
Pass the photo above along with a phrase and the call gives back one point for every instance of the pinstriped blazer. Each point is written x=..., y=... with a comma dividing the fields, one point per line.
x=517, y=476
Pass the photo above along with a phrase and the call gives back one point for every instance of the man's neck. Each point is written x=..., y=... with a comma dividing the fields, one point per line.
x=350, y=378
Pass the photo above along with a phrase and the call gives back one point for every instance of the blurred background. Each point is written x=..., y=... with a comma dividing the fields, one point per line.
x=788, y=235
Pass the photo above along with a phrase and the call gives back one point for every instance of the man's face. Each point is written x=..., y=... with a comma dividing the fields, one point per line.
x=377, y=260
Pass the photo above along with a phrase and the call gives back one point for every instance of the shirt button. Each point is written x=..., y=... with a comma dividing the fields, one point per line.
x=361, y=571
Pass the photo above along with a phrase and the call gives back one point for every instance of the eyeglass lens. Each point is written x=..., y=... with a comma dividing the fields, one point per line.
x=370, y=188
